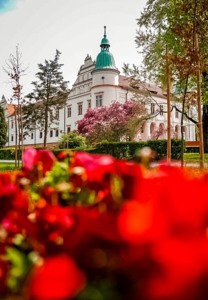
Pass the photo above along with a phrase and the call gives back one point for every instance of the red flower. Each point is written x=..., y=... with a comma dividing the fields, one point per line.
x=90, y=224
x=12, y=198
x=96, y=166
x=28, y=158
x=51, y=224
x=57, y=279
x=183, y=266
x=131, y=175
x=32, y=157
x=141, y=222
x=182, y=201
x=5, y=178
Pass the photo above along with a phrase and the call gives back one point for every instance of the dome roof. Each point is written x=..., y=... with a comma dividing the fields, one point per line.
x=105, y=59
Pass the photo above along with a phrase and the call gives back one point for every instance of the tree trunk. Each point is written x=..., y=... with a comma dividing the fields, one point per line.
x=15, y=121
x=205, y=112
x=182, y=119
x=19, y=132
x=46, y=127
x=205, y=127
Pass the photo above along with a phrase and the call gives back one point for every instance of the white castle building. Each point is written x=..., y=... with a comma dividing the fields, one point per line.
x=99, y=83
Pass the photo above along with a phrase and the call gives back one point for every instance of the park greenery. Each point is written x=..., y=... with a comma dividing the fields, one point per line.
x=175, y=33
x=47, y=98
x=102, y=222
x=3, y=128
x=71, y=140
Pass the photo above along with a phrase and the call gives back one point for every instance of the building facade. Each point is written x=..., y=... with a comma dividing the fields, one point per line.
x=99, y=83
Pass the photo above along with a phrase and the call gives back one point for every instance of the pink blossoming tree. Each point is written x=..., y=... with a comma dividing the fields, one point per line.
x=119, y=121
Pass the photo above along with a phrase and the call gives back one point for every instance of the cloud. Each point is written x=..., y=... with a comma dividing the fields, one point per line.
x=7, y=5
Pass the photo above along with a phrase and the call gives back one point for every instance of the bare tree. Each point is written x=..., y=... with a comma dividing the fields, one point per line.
x=15, y=70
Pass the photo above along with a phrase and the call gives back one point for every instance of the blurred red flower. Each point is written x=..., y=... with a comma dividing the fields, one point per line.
x=57, y=279
x=32, y=157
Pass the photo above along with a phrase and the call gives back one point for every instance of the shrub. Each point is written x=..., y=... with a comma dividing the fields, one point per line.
x=127, y=150
x=72, y=140
x=7, y=154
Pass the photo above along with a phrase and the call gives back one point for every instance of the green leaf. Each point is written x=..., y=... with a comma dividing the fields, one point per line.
x=20, y=265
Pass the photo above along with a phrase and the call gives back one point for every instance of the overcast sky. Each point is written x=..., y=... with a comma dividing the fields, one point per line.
x=74, y=27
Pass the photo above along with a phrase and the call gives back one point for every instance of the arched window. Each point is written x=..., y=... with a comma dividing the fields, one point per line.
x=152, y=129
x=177, y=133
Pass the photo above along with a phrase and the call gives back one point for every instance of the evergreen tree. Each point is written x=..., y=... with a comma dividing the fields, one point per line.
x=3, y=128
x=49, y=95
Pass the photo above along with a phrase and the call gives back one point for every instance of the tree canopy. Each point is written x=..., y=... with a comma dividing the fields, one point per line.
x=119, y=121
x=173, y=23
x=47, y=98
x=3, y=128
x=177, y=32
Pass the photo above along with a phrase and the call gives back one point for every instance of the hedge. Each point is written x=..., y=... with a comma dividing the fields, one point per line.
x=7, y=154
x=192, y=150
x=119, y=150
x=127, y=150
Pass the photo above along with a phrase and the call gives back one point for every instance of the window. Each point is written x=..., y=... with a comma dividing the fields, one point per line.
x=68, y=129
x=51, y=133
x=176, y=114
x=161, y=110
x=79, y=109
x=41, y=135
x=57, y=132
x=184, y=131
x=152, y=128
x=57, y=114
x=32, y=136
x=12, y=138
x=183, y=128
x=69, y=111
x=99, y=100
x=51, y=116
x=176, y=131
x=152, y=108
x=12, y=123
x=88, y=103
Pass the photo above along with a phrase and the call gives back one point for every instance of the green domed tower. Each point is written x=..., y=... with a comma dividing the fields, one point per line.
x=105, y=59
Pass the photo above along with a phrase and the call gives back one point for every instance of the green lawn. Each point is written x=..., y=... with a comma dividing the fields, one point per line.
x=194, y=157
x=188, y=158
x=7, y=166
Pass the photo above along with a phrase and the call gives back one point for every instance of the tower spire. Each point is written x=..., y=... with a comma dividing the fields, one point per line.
x=104, y=43
x=105, y=31
x=105, y=59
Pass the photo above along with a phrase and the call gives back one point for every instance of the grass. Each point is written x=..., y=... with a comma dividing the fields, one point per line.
x=7, y=166
x=194, y=157
x=188, y=158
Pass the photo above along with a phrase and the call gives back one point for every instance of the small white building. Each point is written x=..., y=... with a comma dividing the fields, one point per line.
x=99, y=83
